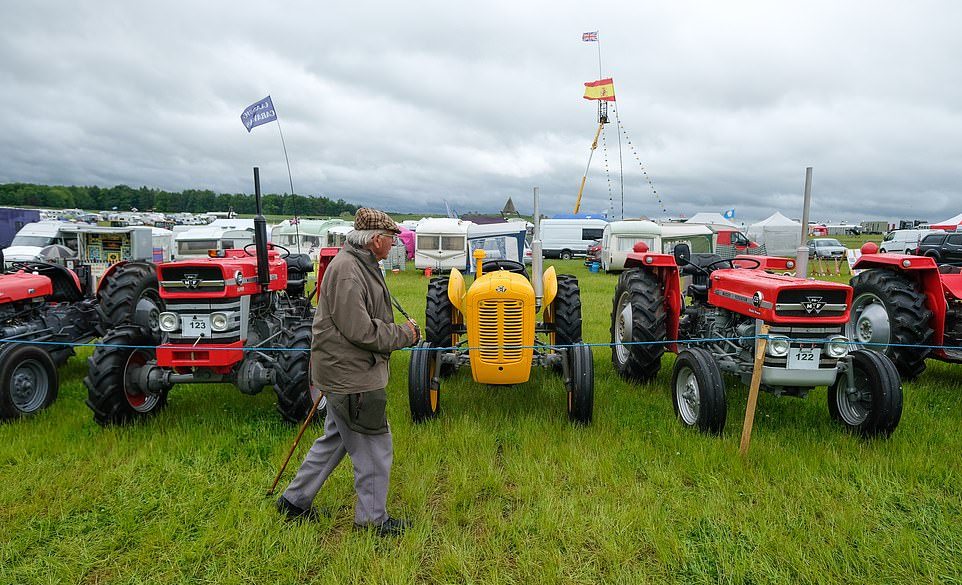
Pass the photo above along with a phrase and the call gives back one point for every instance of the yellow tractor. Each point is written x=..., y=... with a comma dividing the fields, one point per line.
x=498, y=315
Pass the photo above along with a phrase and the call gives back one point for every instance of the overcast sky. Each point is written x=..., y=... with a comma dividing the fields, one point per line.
x=404, y=105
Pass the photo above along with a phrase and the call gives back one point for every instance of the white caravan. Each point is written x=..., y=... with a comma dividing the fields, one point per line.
x=441, y=243
x=620, y=238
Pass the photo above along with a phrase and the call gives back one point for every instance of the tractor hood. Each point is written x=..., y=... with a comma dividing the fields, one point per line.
x=22, y=285
x=232, y=275
x=780, y=299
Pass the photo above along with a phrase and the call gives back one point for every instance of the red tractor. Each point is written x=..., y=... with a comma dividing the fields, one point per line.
x=910, y=306
x=730, y=301
x=240, y=316
x=45, y=307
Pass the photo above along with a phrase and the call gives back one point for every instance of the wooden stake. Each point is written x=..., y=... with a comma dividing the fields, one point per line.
x=760, y=345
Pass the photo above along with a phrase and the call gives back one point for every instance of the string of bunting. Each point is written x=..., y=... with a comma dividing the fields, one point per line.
x=604, y=151
x=634, y=152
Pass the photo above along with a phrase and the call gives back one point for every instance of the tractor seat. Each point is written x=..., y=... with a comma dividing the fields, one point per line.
x=703, y=260
x=299, y=263
x=509, y=265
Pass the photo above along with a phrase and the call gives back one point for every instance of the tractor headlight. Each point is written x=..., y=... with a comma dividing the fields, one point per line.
x=778, y=346
x=169, y=322
x=837, y=347
x=218, y=321
x=790, y=264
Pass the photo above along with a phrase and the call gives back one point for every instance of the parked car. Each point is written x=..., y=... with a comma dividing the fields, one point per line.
x=594, y=253
x=945, y=248
x=826, y=248
x=903, y=241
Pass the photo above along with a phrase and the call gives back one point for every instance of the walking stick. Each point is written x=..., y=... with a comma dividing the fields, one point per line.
x=307, y=421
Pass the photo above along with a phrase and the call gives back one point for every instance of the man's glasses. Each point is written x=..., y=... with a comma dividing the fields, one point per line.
x=394, y=238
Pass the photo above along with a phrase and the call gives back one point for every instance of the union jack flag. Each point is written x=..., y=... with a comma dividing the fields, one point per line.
x=295, y=220
x=590, y=37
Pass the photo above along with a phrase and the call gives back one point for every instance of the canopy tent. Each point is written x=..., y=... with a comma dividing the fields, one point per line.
x=709, y=218
x=407, y=236
x=950, y=224
x=780, y=236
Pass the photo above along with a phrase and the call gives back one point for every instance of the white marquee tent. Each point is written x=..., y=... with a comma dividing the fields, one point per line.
x=710, y=218
x=952, y=223
x=780, y=235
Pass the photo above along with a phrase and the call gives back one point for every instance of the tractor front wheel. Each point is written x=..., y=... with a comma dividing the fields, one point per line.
x=28, y=380
x=871, y=404
x=130, y=295
x=581, y=386
x=698, y=391
x=292, y=380
x=638, y=314
x=112, y=370
x=424, y=383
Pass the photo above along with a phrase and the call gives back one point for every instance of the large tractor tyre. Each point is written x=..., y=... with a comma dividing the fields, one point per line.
x=873, y=405
x=440, y=329
x=887, y=307
x=110, y=393
x=566, y=311
x=639, y=314
x=130, y=295
x=581, y=387
x=28, y=380
x=698, y=391
x=424, y=384
x=292, y=379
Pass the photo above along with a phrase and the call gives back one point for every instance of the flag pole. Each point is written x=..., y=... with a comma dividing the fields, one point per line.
x=297, y=225
x=600, y=74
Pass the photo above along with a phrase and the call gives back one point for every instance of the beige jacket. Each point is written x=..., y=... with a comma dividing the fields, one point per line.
x=354, y=331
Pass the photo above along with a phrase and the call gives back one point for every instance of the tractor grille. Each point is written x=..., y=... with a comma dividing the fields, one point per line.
x=810, y=303
x=191, y=310
x=801, y=337
x=501, y=327
x=192, y=278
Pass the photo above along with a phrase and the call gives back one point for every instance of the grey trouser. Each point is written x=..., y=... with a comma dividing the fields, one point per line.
x=372, y=456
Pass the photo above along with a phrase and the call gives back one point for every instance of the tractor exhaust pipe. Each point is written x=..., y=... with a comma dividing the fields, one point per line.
x=260, y=235
x=537, y=279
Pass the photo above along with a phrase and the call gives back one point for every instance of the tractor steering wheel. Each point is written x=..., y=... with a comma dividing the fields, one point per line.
x=731, y=263
x=272, y=244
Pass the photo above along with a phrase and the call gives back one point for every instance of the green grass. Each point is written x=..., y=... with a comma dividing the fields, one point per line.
x=501, y=488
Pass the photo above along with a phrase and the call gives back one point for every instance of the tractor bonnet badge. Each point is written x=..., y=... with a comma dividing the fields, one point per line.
x=501, y=289
x=191, y=280
x=813, y=305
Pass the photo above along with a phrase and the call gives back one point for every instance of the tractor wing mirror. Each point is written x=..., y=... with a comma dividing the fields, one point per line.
x=682, y=254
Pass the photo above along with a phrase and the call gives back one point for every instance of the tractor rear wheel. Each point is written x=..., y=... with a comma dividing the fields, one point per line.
x=873, y=405
x=130, y=295
x=111, y=394
x=424, y=384
x=888, y=307
x=698, y=391
x=638, y=314
x=28, y=380
x=581, y=387
x=440, y=329
x=565, y=313
x=292, y=379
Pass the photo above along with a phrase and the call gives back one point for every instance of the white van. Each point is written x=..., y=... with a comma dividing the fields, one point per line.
x=903, y=241
x=441, y=243
x=33, y=237
x=567, y=238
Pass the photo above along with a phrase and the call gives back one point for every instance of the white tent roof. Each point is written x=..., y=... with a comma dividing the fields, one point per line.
x=951, y=221
x=710, y=218
x=777, y=219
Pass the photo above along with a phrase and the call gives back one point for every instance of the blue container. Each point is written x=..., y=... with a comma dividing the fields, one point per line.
x=594, y=266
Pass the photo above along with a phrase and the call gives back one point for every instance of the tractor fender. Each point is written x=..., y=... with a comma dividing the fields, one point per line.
x=666, y=270
x=550, y=286
x=456, y=289
x=114, y=267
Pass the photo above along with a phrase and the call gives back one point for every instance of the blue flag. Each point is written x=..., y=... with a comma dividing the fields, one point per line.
x=730, y=214
x=259, y=113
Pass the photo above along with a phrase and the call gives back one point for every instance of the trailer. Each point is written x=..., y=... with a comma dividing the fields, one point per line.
x=441, y=243
x=12, y=221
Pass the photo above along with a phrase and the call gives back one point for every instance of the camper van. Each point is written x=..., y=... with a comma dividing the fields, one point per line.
x=221, y=234
x=567, y=238
x=441, y=244
x=308, y=235
x=34, y=237
x=620, y=238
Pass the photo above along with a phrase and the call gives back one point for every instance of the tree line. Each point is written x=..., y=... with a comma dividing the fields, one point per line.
x=124, y=198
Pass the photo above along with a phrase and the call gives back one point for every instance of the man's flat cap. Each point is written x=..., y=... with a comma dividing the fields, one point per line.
x=373, y=219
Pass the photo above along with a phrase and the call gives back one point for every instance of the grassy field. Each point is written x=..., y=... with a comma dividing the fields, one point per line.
x=501, y=488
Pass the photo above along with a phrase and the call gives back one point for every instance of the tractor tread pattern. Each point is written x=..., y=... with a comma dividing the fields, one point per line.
x=120, y=293
x=438, y=326
x=292, y=382
x=649, y=323
x=105, y=376
x=567, y=311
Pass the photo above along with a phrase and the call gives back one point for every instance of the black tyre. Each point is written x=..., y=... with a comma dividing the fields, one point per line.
x=424, y=384
x=28, y=380
x=581, y=386
x=130, y=295
x=698, y=391
x=638, y=314
x=292, y=380
x=565, y=311
x=111, y=394
x=440, y=328
x=873, y=405
x=888, y=307
x=566, y=255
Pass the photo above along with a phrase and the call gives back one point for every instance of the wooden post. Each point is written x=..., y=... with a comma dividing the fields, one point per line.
x=760, y=345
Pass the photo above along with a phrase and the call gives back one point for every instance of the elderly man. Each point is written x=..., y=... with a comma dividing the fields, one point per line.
x=353, y=336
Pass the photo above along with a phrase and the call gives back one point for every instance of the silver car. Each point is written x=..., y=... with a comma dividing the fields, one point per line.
x=826, y=248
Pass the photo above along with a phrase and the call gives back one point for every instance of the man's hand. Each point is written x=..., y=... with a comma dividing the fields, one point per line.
x=415, y=331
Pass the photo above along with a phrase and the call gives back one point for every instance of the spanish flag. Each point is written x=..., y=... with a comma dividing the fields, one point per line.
x=603, y=89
